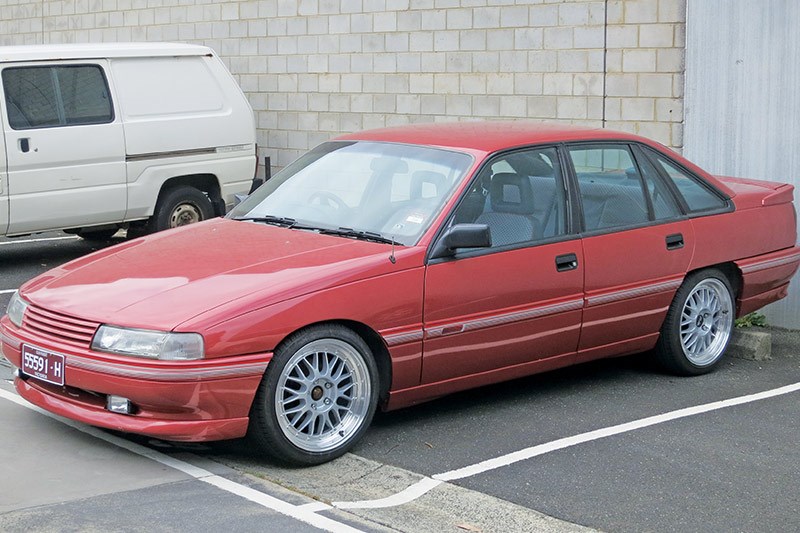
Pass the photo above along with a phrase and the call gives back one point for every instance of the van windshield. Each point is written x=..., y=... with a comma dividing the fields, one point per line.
x=392, y=191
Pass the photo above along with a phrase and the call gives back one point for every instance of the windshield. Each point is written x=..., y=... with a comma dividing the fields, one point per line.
x=387, y=190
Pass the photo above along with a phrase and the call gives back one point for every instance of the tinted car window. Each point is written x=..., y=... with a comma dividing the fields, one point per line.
x=519, y=196
x=610, y=187
x=697, y=197
x=84, y=95
x=663, y=203
x=38, y=97
x=30, y=98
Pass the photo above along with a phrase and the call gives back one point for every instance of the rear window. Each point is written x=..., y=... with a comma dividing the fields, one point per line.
x=52, y=96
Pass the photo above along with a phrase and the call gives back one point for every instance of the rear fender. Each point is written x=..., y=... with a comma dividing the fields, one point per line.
x=765, y=278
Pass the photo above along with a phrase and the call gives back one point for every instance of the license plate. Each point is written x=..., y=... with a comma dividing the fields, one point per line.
x=44, y=365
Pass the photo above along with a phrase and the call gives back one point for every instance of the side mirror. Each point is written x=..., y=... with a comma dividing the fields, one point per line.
x=462, y=236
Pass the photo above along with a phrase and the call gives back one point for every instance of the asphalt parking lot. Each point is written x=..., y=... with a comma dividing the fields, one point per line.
x=612, y=445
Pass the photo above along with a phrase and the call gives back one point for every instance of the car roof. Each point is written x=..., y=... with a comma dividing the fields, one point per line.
x=489, y=136
x=49, y=52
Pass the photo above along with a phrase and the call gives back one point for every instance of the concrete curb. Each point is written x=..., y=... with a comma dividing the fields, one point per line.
x=753, y=344
x=446, y=508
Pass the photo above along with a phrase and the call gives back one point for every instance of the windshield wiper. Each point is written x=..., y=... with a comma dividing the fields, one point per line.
x=286, y=222
x=289, y=222
x=358, y=234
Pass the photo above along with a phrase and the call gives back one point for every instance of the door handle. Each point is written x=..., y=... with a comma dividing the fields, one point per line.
x=25, y=144
x=674, y=241
x=566, y=262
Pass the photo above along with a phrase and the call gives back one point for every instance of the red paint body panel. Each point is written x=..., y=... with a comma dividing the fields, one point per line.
x=198, y=391
x=631, y=278
x=177, y=430
x=765, y=278
x=444, y=326
x=519, y=309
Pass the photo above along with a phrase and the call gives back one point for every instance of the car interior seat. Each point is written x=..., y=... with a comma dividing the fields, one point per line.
x=511, y=219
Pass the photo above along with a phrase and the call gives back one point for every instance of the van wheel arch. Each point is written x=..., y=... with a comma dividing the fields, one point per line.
x=186, y=199
x=208, y=184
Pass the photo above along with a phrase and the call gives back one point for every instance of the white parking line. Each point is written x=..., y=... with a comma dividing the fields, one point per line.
x=7, y=291
x=23, y=241
x=303, y=513
x=427, y=483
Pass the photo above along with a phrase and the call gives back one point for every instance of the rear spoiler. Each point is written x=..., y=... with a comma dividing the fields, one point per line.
x=782, y=195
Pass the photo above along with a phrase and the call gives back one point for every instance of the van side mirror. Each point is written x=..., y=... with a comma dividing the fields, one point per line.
x=462, y=236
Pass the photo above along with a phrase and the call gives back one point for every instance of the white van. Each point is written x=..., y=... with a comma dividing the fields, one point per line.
x=96, y=137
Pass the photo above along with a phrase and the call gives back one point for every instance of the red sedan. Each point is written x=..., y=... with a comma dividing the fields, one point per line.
x=390, y=267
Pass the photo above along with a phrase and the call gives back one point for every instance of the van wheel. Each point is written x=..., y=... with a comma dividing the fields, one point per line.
x=97, y=235
x=180, y=206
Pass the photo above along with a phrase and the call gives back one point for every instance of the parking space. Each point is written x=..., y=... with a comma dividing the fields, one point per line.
x=724, y=467
x=728, y=469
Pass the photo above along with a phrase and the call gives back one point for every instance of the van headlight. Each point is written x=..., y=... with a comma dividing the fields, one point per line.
x=162, y=345
x=16, y=309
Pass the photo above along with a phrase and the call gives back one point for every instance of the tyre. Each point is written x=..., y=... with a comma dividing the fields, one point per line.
x=97, y=235
x=698, y=325
x=180, y=206
x=317, y=397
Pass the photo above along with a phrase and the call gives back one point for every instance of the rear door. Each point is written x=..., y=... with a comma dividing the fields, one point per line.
x=65, y=146
x=636, y=243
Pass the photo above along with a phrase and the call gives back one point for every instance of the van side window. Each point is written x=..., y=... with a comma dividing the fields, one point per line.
x=42, y=97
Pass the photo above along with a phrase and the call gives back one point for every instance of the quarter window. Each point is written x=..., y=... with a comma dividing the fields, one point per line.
x=696, y=196
x=41, y=97
x=662, y=201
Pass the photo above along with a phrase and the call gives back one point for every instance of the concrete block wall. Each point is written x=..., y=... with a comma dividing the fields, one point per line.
x=315, y=68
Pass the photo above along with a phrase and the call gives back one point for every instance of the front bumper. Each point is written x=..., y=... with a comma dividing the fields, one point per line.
x=181, y=401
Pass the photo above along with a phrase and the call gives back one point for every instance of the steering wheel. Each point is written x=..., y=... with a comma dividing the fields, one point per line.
x=327, y=199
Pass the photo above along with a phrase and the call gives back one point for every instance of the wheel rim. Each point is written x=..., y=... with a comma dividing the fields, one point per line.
x=706, y=322
x=322, y=397
x=185, y=214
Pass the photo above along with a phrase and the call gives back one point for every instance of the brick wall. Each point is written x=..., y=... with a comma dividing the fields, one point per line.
x=316, y=68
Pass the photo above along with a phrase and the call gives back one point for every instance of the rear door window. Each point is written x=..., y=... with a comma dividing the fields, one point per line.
x=52, y=96
x=610, y=187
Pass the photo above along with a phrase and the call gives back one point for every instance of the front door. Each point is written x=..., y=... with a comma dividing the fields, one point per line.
x=515, y=307
x=65, y=147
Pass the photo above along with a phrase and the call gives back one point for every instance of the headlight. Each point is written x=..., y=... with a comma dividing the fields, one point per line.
x=16, y=309
x=151, y=344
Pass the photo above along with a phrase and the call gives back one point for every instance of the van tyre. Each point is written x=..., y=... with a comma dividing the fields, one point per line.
x=181, y=206
x=698, y=325
x=317, y=397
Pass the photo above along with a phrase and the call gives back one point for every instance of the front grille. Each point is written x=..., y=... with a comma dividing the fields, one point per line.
x=60, y=327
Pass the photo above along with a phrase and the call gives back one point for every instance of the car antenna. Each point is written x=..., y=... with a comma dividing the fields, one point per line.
x=392, y=257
